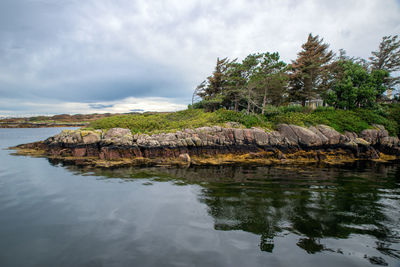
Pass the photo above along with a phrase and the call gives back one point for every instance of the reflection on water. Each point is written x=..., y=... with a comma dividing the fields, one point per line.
x=313, y=202
x=64, y=215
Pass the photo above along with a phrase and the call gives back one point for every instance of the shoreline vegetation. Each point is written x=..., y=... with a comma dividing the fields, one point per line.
x=196, y=137
x=320, y=108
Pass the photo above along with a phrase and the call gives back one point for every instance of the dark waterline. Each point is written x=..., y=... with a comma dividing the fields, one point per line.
x=52, y=214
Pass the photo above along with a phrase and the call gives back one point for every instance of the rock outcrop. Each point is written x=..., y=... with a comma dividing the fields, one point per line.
x=316, y=143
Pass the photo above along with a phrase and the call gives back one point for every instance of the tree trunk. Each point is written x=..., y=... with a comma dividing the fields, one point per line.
x=264, y=101
x=248, y=102
x=236, y=104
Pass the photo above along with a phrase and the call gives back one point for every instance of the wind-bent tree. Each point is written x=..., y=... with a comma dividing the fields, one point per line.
x=211, y=89
x=258, y=80
x=387, y=58
x=308, y=71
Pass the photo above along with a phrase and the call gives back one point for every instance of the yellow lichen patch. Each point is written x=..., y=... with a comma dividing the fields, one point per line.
x=29, y=152
x=384, y=157
x=337, y=156
x=268, y=158
x=85, y=133
x=223, y=159
x=69, y=131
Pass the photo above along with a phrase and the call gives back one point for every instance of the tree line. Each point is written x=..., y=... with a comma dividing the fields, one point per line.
x=263, y=79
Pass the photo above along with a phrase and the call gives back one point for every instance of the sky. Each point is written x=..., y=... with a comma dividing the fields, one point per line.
x=75, y=56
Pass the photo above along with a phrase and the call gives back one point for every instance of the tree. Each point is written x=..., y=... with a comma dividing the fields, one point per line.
x=211, y=89
x=235, y=84
x=309, y=69
x=387, y=58
x=354, y=86
x=250, y=66
x=271, y=80
x=258, y=80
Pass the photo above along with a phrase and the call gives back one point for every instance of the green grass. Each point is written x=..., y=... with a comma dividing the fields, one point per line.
x=341, y=120
x=158, y=122
x=170, y=122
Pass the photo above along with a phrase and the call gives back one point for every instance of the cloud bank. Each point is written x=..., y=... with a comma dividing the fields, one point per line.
x=69, y=56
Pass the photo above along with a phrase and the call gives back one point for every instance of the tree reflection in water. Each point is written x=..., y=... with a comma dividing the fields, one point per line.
x=312, y=202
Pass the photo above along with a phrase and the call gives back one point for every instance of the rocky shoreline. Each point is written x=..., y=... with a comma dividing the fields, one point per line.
x=216, y=145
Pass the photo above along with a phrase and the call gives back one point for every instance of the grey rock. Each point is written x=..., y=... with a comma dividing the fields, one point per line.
x=286, y=131
x=350, y=135
x=389, y=141
x=248, y=136
x=91, y=137
x=197, y=141
x=370, y=135
x=118, y=136
x=68, y=137
x=330, y=133
x=260, y=137
x=324, y=139
x=239, y=135
x=361, y=142
x=189, y=142
x=299, y=135
x=275, y=138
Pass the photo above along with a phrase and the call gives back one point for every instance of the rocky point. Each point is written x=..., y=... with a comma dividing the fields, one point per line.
x=217, y=145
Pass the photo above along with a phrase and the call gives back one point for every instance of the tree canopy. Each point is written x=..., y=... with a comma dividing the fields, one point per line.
x=354, y=86
x=388, y=58
x=309, y=69
x=262, y=80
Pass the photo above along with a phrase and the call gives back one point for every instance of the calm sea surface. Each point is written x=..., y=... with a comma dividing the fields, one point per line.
x=57, y=215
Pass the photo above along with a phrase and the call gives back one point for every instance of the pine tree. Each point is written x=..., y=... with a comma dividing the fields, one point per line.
x=387, y=58
x=308, y=71
x=211, y=89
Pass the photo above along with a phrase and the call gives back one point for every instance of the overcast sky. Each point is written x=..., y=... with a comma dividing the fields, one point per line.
x=75, y=56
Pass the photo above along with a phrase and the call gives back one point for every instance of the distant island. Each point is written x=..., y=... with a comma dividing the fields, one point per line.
x=319, y=108
x=62, y=120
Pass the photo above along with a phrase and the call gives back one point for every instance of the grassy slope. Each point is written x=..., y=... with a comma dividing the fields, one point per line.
x=341, y=120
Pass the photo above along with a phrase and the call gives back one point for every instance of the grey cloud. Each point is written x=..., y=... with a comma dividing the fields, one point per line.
x=103, y=50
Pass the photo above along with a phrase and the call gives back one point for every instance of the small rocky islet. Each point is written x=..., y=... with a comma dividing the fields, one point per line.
x=289, y=144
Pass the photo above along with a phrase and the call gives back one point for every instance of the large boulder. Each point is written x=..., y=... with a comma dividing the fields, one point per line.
x=91, y=137
x=70, y=137
x=375, y=136
x=275, y=138
x=350, y=135
x=260, y=137
x=323, y=138
x=370, y=135
x=118, y=136
x=330, y=133
x=239, y=136
x=390, y=141
x=300, y=135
